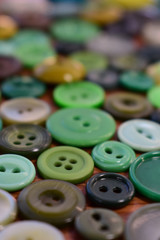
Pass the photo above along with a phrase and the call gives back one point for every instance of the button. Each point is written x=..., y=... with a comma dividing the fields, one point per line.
x=8, y=27
x=6, y=48
x=156, y=116
x=99, y=223
x=153, y=71
x=53, y=201
x=151, y=32
x=24, y=110
x=141, y=135
x=22, y=86
x=110, y=190
x=1, y=124
x=144, y=223
x=133, y=5
x=59, y=70
x=31, y=230
x=8, y=208
x=79, y=94
x=25, y=139
x=9, y=66
x=149, y=53
x=153, y=96
x=127, y=105
x=66, y=48
x=113, y=156
x=16, y=172
x=64, y=9
x=65, y=163
x=81, y=127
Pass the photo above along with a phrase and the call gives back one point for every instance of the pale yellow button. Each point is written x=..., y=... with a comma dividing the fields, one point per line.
x=8, y=27
x=153, y=71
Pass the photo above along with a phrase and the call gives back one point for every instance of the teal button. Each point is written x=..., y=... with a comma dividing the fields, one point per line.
x=79, y=94
x=16, y=172
x=81, y=127
x=113, y=156
x=1, y=124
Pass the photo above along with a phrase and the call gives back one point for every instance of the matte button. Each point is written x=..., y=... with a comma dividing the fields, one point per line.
x=110, y=190
x=141, y=135
x=113, y=156
x=66, y=48
x=81, y=127
x=9, y=66
x=153, y=71
x=99, y=223
x=24, y=110
x=79, y=94
x=8, y=27
x=65, y=163
x=53, y=201
x=25, y=139
x=153, y=96
x=16, y=172
x=150, y=33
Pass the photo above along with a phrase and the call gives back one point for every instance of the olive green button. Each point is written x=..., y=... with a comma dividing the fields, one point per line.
x=113, y=156
x=81, y=127
x=79, y=94
x=153, y=96
x=53, y=201
x=65, y=163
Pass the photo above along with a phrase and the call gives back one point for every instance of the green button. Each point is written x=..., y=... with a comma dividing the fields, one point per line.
x=1, y=124
x=16, y=172
x=154, y=96
x=79, y=94
x=65, y=163
x=81, y=127
x=113, y=156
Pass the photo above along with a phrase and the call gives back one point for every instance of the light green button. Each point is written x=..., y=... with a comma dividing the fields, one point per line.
x=154, y=96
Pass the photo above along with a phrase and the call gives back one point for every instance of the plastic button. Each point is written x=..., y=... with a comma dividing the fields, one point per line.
x=133, y=5
x=151, y=32
x=8, y=27
x=66, y=48
x=154, y=96
x=156, y=116
x=9, y=66
x=1, y=124
x=153, y=71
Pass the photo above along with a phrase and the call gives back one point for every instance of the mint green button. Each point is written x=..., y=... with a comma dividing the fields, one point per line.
x=154, y=96
x=1, y=124
x=81, y=127
x=65, y=163
x=79, y=94
x=113, y=156
x=16, y=172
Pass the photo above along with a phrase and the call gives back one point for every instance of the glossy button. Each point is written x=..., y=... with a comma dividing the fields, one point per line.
x=81, y=127
x=16, y=172
x=110, y=190
x=141, y=135
x=9, y=66
x=25, y=139
x=99, y=223
x=154, y=96
x=79, y=94
x=24, y=110
x=31, y=230
x=53, y=201
x=8, y=27
x=113, y=156
x=65, y=163
x=22, y=86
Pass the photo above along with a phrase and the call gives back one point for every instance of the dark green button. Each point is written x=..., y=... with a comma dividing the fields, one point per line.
x=79, y=94
x=53, y=201
x=81, y=127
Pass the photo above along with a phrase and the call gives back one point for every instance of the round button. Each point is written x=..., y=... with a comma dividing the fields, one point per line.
x=149, y=53
x=110, y=190
x=59, y=70
x=66, y=48
x=53, y=201
x=153, y=71
x=113, y=156
x=22, y=86
x=16, y=172
x=151, y=33
x=31, y=230
x=65, y=163
x=24, y=110
x=79, y=94
x=81, y=127
x=6, y=48
x=1, y=124
x=156, y=116
x=141, y=135
x=133, y=5
x=25, y=139
x=99, y=223
x=9, y=66
x=153, y=96
x=8, y=27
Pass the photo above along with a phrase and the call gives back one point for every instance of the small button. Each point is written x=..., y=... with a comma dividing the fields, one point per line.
x=66, y=48
x=99, y=223
x=153, y=96
x=79, y=94
x=53, y=201
x=25, y=139
x=8, y=27
x=16, y=172
x=110, y=190
x=24, y=110
x=113, y=156
x=81, y=127
x=153, y=71
x=141, y=135
x=9, y=66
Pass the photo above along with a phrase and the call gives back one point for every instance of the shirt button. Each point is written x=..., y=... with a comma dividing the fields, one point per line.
x=154, y=96
x=8, y=27
x=9, y=66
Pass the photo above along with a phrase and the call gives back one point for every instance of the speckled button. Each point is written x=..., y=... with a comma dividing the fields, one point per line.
x=8, y=27
x=9, y=66
x=154, y=96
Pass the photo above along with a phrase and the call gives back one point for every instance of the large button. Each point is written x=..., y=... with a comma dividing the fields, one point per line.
x=141, y=135
x=16, y=172
x=81, y=127
x=154, y=96
x=24, y=110
x=8, y=27
x=99, y=223
x=151, y=32
x=113, y=156
x=144, y=173
x=110, y=190
x=25, y=139
x=31, y=230
x=65, y=163
x=51, y=201
x=79, y=94
x=9, y=66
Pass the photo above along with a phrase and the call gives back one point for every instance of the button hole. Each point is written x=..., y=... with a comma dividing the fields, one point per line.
x=84, y=95
x=139, y=130
x=48, y=204
x=20, y=136
x=86, y=124
x=29, y=109
x=16, y=170
x=117, y=190
x=119, y=156
x=77, y=118
x=58, y=164
x=28, y=144
x=73, y=97
x=73, y=161
x=129, y=102
x=96, y=216
x=20, y=111
x=62, y=158
x=17, y=143
x=32, y=138
x=108, y=150
x=56, y=198
x=103, y=189
x=104, y=228
x=2, y=169
x=149, y=136
x=68, y=167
